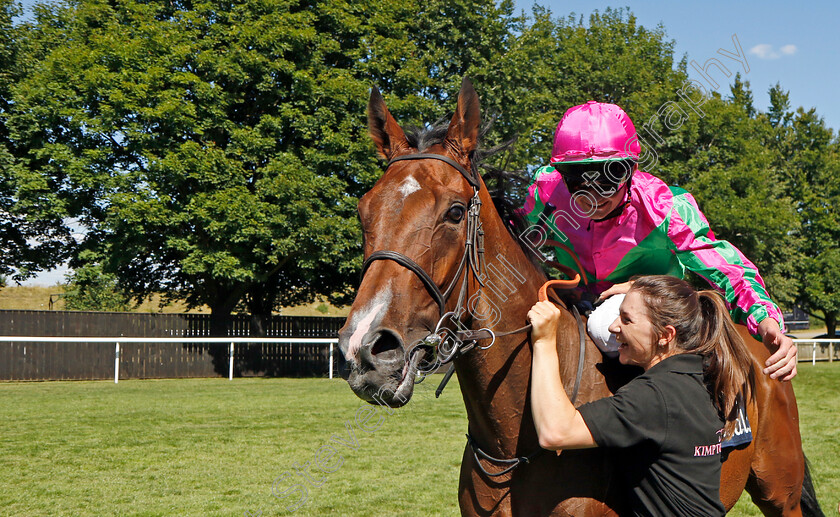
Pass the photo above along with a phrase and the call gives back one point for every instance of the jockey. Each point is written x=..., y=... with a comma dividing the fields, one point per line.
x=611, y=222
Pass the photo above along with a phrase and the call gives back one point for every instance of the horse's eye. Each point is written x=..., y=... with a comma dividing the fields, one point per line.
x=455, y=214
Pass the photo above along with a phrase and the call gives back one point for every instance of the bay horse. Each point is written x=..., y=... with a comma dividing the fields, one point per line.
x=427, y=223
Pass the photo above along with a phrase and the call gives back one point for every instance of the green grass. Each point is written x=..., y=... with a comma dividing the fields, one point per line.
x=214, y=447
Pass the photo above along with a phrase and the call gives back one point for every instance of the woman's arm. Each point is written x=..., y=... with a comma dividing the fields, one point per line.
x=559, y=425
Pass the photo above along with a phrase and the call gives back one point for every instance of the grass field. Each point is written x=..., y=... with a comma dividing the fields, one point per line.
x=215, y=447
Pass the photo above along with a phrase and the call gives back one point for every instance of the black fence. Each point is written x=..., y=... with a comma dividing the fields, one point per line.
x=797, y=319
x=88, y=361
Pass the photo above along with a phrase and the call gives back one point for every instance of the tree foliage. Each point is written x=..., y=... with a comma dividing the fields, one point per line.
x=89, y=288
x=32, y=231
x=215, y=151
x=810, y=158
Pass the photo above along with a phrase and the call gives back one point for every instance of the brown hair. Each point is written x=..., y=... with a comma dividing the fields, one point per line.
x=703, y=327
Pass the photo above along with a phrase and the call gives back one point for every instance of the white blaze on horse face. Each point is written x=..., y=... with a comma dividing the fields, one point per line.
x=365, y=318
x=409, y=186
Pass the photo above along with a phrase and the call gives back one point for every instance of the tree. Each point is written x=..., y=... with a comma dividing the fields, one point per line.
x=32, y=231
x=555, y=63
x=216, y=151
x=812, y=160
x=742, y=95
x=91, y=289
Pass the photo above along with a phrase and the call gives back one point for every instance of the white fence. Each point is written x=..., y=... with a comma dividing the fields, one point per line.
x=824, y=345
x=233, y=341
x=804, y=345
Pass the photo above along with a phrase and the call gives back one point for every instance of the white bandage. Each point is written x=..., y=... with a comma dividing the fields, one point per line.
x=599, y=325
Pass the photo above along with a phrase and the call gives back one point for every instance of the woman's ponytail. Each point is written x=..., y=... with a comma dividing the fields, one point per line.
x=703, y=326
x=729, y=369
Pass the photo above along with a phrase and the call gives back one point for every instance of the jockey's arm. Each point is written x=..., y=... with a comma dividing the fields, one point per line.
x=621, y=288
x=782, y=364
x=725, y=267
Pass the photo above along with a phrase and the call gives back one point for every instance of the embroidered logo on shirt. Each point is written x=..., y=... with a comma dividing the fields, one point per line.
x=709, y=450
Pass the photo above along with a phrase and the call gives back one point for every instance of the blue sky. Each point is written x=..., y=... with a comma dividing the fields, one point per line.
x=796, y=44
x=793, y=43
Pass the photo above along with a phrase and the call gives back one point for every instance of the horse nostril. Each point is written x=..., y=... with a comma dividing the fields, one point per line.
x=385, y=347
x=386, y=342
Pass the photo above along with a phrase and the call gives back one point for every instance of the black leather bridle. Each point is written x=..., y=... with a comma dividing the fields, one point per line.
x=473, y=248
x=439, y=340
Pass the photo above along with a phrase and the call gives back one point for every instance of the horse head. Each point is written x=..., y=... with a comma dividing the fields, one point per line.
x=415, y=226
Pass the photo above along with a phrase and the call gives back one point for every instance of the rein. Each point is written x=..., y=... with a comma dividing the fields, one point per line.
x=473, y=258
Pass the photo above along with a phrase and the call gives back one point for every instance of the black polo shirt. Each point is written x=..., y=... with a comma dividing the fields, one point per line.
x=666, y=433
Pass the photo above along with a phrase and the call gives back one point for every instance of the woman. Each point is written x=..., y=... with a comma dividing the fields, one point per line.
x=665, y=424
x=614, y=222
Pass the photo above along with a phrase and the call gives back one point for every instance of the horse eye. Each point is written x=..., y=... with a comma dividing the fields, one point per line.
x=455, y=214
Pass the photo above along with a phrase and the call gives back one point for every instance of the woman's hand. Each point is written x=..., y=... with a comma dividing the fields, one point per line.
x=616, y=289
x=543, y=317
x=558, y=424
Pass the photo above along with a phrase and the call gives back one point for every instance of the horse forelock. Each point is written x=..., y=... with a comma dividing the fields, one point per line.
x=501, y=183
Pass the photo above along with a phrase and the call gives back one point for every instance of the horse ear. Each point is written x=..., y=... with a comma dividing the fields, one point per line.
x=463, y=129
x=387, y=135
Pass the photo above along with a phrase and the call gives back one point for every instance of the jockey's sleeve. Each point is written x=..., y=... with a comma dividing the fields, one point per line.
x=720, y=263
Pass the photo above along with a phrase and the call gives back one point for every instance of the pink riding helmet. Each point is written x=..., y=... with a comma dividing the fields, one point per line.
x=595, y=132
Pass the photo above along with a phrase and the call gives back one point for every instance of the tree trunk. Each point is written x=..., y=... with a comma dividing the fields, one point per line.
x=261, y=299
x=222, y=300
x=830, y=324
x=221, y=323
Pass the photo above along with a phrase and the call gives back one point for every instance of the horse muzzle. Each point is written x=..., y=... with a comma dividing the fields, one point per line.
x=379, y=370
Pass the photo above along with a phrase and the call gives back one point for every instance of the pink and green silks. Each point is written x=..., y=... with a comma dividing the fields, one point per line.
x=661, y=231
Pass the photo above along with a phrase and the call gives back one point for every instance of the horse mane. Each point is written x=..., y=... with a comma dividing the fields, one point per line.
x=506, y=187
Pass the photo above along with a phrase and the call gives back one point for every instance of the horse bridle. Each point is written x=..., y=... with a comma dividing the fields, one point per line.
x=473, y=258
x=466, y=339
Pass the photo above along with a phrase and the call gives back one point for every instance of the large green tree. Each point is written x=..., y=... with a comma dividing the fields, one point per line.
x=557, y=62
x=808, y=155
x=216, y=151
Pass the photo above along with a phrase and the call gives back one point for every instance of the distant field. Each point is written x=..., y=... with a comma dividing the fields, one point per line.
x=38, y=298
x=214, y=447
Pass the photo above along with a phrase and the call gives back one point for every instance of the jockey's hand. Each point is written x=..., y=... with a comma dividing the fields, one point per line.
x=782, y=364
x=616, y=289
x=544, y=317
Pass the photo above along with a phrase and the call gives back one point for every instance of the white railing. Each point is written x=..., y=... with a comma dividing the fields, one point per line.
x=801, y=344
x=232, y=341
x=208, y=340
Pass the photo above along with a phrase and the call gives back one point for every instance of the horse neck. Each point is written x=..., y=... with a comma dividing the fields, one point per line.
x=494, y=382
